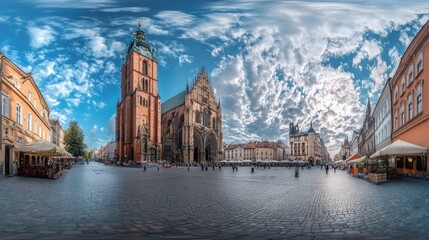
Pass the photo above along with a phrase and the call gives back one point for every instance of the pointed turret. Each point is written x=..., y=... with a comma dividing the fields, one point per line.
x=187, y=87
x=368, y=107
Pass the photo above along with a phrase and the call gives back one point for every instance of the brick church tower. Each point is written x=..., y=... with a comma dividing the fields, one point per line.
x=138, y=112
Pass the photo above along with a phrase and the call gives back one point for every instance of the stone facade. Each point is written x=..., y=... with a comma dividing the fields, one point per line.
x=192, y=124
x=307, y=146
x=234, y=152
x=366, y=143
x=25, y=117
x=383, y=119
x=256, y=150
x=138, y=113
x=345, y=150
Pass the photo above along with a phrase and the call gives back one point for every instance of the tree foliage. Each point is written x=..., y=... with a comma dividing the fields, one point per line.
x=73, y=140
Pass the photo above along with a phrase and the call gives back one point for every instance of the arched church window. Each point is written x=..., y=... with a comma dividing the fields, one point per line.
x=214, y=123
x=182, y=118
x=206, y=118
x=197, y=117
x=144, y=67
x=141, y=100
x=146, y=85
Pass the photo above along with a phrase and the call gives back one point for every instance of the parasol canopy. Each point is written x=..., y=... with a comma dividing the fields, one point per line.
x=40, y=148
x=400, y=147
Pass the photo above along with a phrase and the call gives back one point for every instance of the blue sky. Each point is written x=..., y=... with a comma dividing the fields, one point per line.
x=270, y=62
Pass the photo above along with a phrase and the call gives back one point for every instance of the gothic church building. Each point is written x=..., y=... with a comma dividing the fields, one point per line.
x=192, y=124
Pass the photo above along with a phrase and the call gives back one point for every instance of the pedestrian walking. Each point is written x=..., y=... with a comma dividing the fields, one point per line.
x=213, y=167
x=220, y=167
x=207, y=168
x=158, y=167
x=144, y=167
x=327, y=168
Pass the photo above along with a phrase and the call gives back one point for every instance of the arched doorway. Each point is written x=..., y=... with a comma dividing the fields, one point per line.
x=196, y=155
x=7, y=160
x=208, y=151
x=152, y=152
x=311, y=161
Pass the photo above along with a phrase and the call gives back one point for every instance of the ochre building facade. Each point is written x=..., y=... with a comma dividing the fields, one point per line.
x=24, y=119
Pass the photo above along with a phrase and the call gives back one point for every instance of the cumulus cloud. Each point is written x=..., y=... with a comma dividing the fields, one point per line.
x=41, y=36
x=280, y=74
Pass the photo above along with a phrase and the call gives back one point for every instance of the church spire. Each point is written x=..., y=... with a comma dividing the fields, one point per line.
x=368, y=107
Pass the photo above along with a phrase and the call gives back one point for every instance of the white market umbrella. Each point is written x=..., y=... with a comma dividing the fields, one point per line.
x=400, y=147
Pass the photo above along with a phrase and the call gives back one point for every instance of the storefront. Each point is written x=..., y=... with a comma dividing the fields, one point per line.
x=403, y=158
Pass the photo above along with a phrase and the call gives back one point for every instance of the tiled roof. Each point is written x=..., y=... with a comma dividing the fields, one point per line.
x=264, y=144
x=173, y=102
x=250, y=145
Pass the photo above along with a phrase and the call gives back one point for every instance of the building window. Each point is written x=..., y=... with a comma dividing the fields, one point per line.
x=5, y=105
x=29, y=121
x=396, y=93
x=396, y=119
x=30, y=94
x=402, y=113
x=40, y=131
x=35, y=126
x=419, y=97
x=214, y=123
x=19, y=113
x=410, y=75
x=141, y=100
x=206, y=118
x=144, y=67
x=197, y=117
x=410, y=106
x=402, y=85
x=419, y=63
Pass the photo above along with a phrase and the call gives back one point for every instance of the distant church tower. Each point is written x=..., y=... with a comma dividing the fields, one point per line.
x=138, y=113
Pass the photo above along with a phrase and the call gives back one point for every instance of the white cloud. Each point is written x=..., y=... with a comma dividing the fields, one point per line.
x=277, y=75
x=4, y=18
x=41, y=36
x=93, y=131
x=125, y=9
x=101, y=105
x=185, y=58
x=369, y=50
x=175, y=18
x=81, y=4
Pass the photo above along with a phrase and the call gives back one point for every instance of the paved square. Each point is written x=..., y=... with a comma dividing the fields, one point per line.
x=97, y=201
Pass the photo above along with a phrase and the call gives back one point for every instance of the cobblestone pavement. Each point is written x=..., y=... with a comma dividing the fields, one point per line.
x=97, y=201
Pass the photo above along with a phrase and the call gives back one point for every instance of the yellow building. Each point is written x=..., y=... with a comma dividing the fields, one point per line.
x=25, y=116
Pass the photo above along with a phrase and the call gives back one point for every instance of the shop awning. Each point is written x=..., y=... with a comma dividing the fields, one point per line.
x=400, y=147
x=353, y=157
x=40, y=148
x=359, y=160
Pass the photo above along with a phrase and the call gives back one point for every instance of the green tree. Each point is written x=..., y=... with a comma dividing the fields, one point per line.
x=73, y=140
